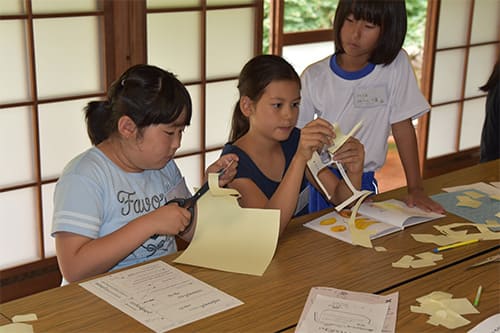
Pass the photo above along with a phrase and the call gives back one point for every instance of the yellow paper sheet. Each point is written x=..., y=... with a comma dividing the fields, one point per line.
x=231, y=238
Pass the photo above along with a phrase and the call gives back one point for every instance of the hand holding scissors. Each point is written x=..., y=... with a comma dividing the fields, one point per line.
x=189, y=203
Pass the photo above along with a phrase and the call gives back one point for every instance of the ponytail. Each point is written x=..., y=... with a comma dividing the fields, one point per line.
x=239, y=124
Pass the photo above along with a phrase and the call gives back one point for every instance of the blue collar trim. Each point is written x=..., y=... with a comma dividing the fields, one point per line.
x=350, y=75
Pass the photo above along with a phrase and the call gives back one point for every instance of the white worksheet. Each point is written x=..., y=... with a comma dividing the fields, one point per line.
x=160, y=296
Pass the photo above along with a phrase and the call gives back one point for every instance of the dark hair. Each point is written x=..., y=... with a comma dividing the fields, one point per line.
x=493, y=79
x=147, y=94
x=389, y=15
x=253, y=80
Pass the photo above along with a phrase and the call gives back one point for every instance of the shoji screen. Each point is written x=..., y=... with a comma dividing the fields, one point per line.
x=205, y=43
x=51, y=63
x=466, y=48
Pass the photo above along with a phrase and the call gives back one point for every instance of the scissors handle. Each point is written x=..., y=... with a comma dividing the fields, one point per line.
x=187, y=203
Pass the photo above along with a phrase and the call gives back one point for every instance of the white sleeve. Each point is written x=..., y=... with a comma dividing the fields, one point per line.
x=409, y=102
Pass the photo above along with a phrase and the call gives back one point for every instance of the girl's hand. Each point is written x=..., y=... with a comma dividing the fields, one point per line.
x=417, y=197
x=170, y=219
x=227, y=163
x=351, y=155
x=314, y=136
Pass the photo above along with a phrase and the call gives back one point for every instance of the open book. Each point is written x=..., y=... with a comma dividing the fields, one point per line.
x=379, y=218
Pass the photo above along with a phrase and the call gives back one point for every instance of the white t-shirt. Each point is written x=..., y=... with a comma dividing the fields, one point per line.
x=94, y=197
x=384, y=96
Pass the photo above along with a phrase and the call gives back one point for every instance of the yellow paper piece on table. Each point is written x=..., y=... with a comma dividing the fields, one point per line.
x=444, y=309
x=474, y=194
x=16, y=328
x=465, y=201
x=495, y=197
x=359, y=236
x=404, y=262
x=24, y=317
x=230, y=238
x=380, y=249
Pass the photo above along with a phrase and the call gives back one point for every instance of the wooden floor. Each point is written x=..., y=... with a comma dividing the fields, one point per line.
x=391, y=175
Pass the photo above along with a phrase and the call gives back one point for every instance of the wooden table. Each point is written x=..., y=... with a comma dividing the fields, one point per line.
x=459, y=280
x=304, y=259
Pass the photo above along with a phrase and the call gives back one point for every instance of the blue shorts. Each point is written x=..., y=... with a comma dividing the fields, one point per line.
x=318, y=202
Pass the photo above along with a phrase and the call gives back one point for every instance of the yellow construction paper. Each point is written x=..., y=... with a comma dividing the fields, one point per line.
x=466, y=201
x=16, y=328
x=24, y=317
x=230, y=238
x=474, y=194
x=425, y=259
x=359, y=237
x=444, y=310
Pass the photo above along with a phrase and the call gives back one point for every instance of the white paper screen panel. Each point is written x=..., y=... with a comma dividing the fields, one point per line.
x=472, y=123
x=448, y=76
x=70, y=64
x=442, y=130
x=212, y=156
x=174, y=43
x=14, y=86
x=63, y=135
x=17, y=165
x=479, y=67
x=159, y=4
x=190, y=169
x=191, y=138
x=221, y=99
x=11, y=7
x=62, y=6
x=48, y=209
x=230, y=35
x=486, y=21
x=228, y=2
x=449, y=32
x=19, y=236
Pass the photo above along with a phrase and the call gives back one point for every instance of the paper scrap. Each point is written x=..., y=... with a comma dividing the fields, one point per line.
x=24, y=318
x=230, y=238
x=444, y=310
x=16, y=328
x=380, y=249
x=465, y=201
x=449, y=235
x=425, y=259
x=480, y=186
x=474, y=194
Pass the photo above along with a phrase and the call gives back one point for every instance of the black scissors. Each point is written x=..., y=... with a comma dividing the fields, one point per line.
x=189, y=203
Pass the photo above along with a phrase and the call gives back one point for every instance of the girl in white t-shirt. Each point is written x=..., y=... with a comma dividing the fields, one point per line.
x=369, y=79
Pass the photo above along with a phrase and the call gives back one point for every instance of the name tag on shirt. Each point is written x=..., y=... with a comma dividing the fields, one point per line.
x=303, y=200
x=368, y=97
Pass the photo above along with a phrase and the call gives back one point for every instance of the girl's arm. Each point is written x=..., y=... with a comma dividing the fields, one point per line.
x=406, y=141
x=312, y=137
x=81, y=257
x=284, y=198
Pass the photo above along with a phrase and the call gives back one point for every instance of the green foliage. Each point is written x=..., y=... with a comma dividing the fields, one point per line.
x=303, y=15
